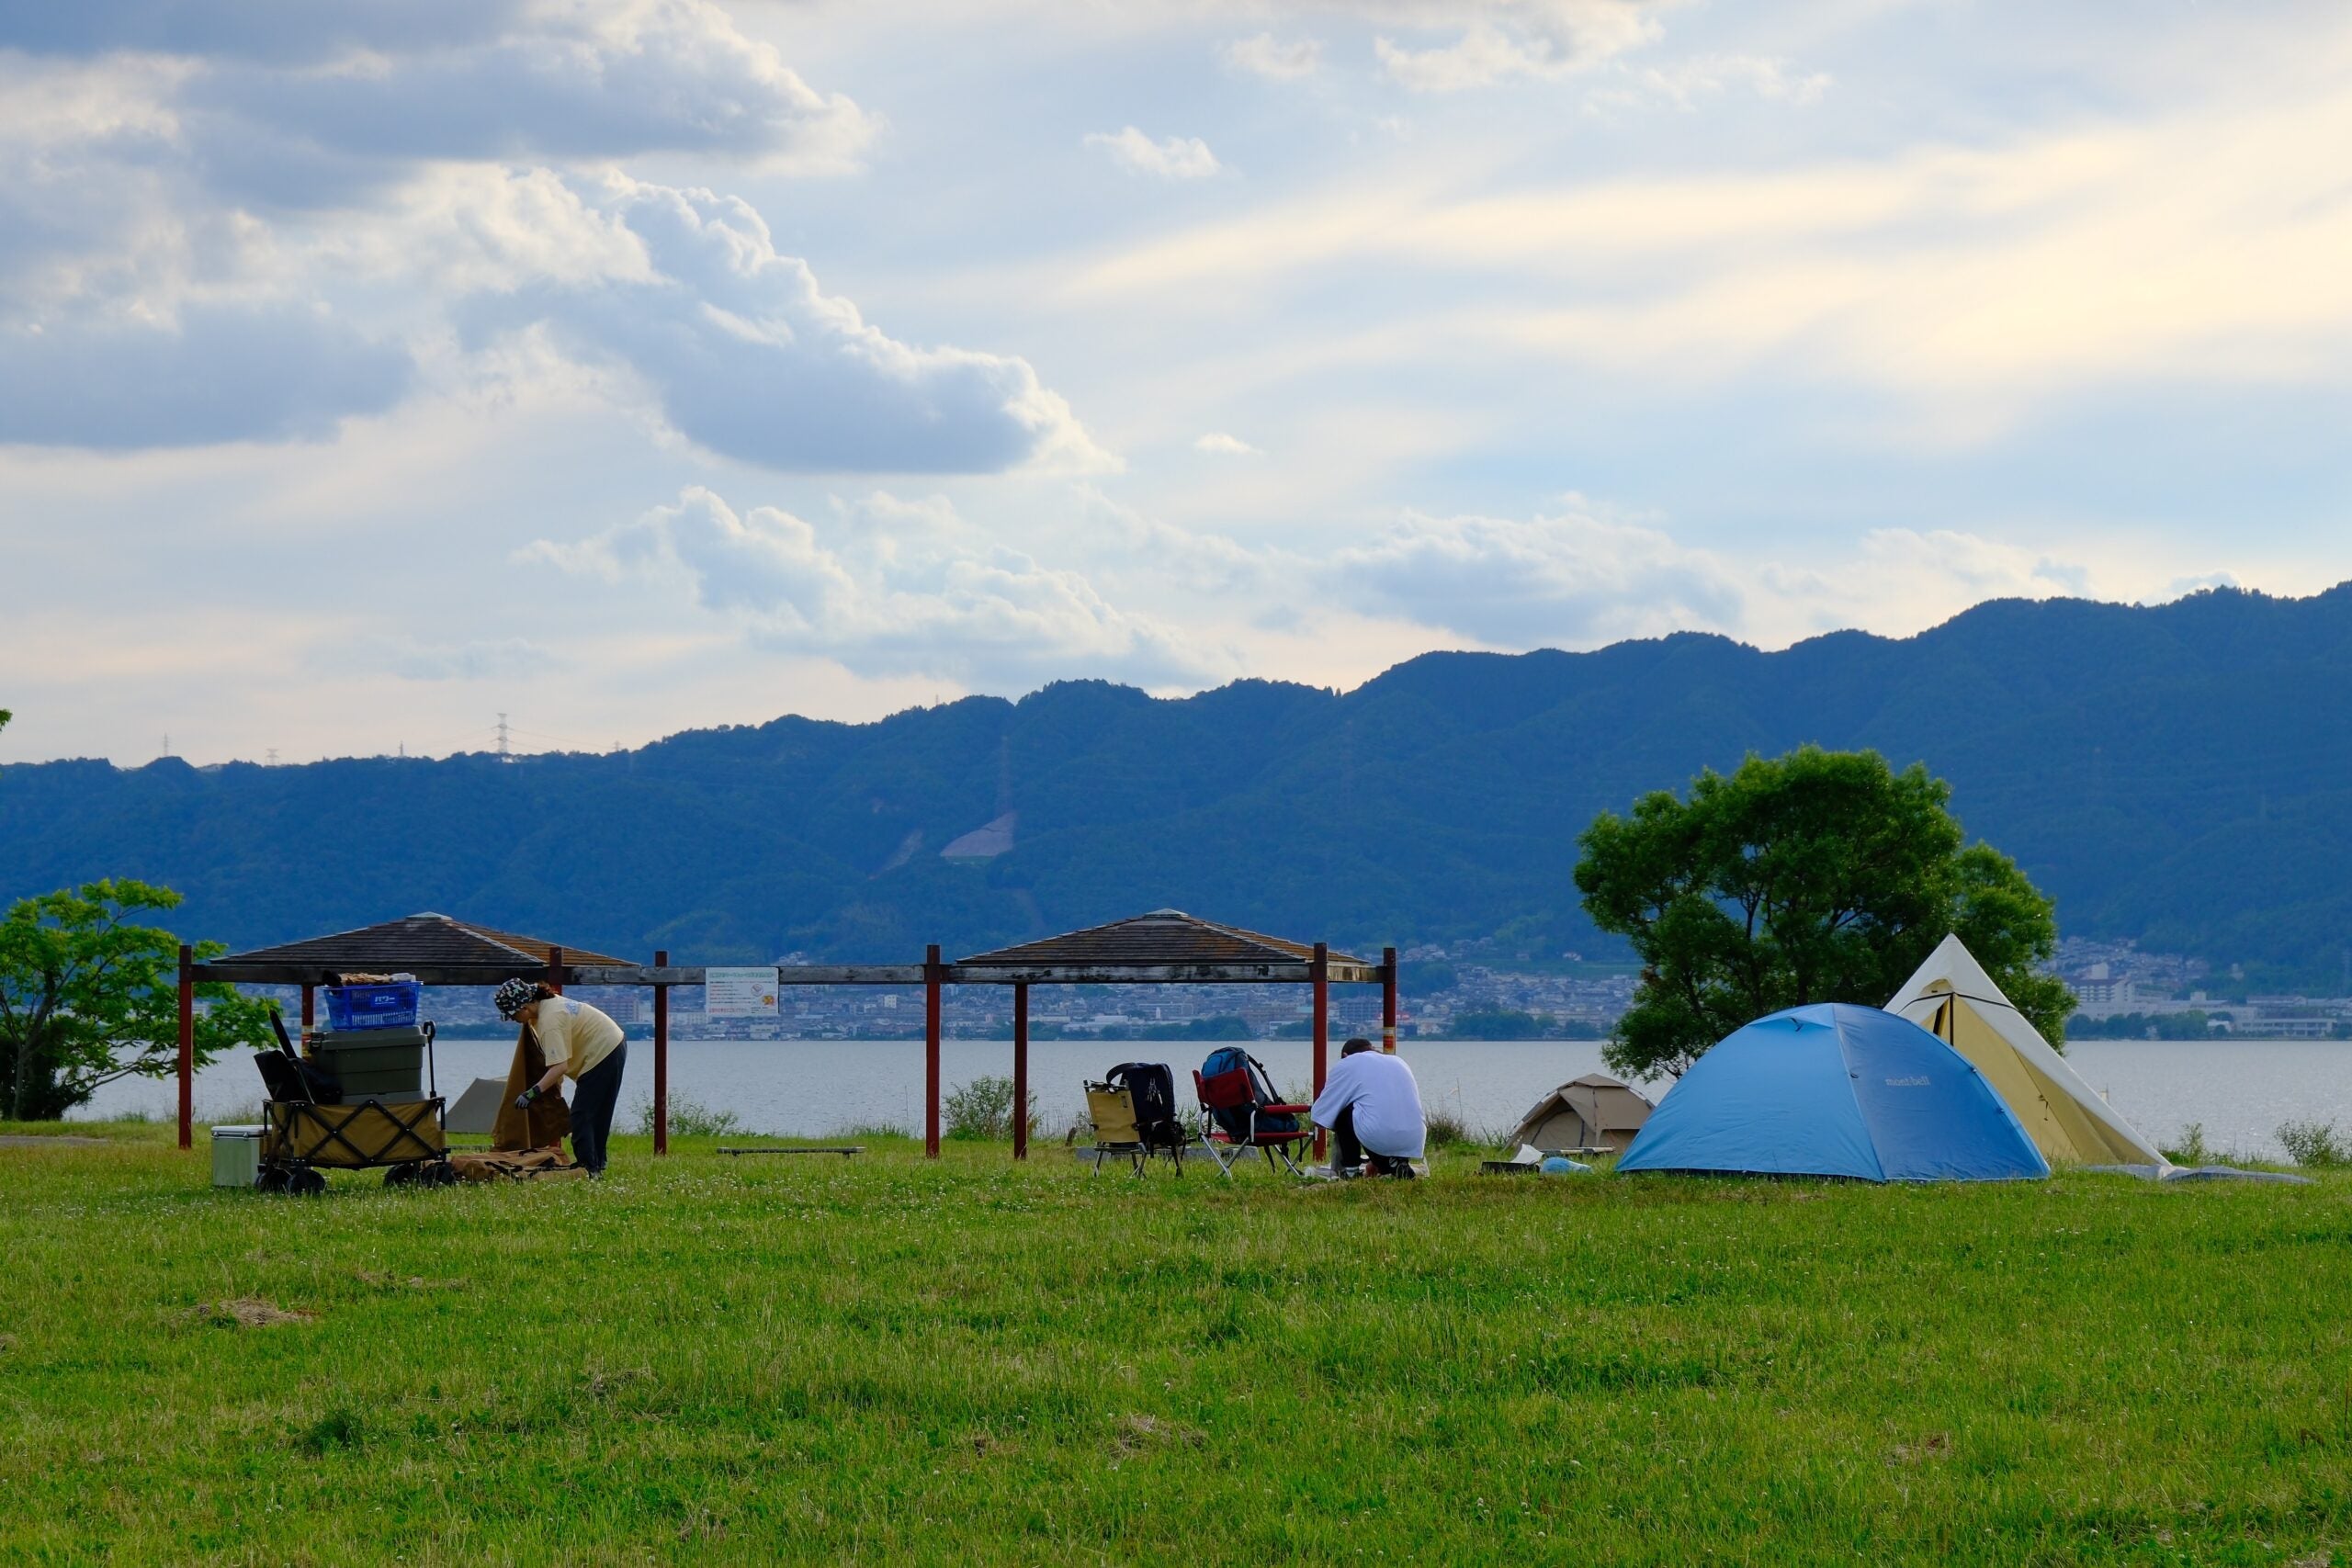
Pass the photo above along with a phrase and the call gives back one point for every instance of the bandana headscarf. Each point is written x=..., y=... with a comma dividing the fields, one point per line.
x=513, y=996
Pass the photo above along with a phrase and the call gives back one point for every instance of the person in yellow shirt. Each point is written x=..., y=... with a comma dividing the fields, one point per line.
x=579, y=1043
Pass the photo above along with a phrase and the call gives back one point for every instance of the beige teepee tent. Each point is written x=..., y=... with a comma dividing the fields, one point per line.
x=1951, y=998
x=1594, y=1111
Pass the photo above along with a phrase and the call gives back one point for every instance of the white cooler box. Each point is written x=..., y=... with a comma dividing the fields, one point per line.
x=236, y=1156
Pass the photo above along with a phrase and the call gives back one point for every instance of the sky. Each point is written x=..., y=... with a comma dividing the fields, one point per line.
x=372, y=368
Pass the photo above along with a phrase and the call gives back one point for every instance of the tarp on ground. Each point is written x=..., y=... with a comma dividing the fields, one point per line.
x=1595, y=1111
x=1835, y=1089
x=1953, y=999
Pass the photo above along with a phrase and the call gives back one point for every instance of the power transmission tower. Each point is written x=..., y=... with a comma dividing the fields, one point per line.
x=503, y=755
x=273, y=757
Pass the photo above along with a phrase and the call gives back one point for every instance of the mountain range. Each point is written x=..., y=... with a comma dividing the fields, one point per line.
x=2180, y=775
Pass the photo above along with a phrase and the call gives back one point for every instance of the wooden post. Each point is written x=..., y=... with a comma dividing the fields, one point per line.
x=187, y=1048
x=661, y=1059
x=1388, y=1000
x=309, y=1013
x=555, y=970
x=1321, y=972
x=1020, y=1069
x=931, y=968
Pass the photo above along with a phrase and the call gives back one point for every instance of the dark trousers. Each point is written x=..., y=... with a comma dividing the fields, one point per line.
x=1348, y=1150
x=594, y=1096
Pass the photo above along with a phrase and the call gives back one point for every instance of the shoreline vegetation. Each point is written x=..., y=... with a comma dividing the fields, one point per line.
x=883, y=1357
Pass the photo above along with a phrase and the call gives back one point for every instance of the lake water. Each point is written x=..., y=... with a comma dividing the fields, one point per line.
x=2241, y=1091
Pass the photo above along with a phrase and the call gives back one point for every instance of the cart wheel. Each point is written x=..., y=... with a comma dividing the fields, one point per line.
x=400, y=1175
x=441, y=1174
x=272, y=1180
x=305, y=1184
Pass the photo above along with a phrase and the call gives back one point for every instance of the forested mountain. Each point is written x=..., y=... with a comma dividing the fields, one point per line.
x=2180, y=775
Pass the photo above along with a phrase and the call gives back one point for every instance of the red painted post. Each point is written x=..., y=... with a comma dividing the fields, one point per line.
x=187, y=1048
x=931, y=1051
x=1322, y=976
x=1020, y=1069
x=1388, y=1000
x=661, y=1058
x=309, y=1013
x=555, y=970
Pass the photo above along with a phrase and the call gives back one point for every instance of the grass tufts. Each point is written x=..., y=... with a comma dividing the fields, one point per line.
x=2316, y=1144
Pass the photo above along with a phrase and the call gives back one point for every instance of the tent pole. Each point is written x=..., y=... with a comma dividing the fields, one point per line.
x=931, y=968
x=187, y=1048
x=1321, y=970
x=1388, y=1000
x=661, y=1058
x=1020, y=1069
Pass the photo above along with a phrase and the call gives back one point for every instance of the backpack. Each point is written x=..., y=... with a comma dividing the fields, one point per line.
x=1152, y=1087
x=1235, y=1122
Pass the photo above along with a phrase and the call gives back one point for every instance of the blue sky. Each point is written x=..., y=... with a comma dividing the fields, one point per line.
x=370, y=368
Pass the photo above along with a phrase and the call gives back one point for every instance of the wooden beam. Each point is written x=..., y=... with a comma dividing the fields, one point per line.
x=1021, y=1071
x=187, y=1047
x=909, y=975
x=1322, y=984
x=554, y=979
x=932, y=973
x=1388, y=1000
x=660, y=1061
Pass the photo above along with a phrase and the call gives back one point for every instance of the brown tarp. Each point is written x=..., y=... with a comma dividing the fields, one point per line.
x=531, y=1165
x=548, y=1122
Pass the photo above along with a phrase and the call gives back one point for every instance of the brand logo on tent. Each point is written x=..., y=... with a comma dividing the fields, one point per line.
x=1918, y=1082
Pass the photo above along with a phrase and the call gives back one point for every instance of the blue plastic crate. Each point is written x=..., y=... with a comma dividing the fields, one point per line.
x=392, y=1005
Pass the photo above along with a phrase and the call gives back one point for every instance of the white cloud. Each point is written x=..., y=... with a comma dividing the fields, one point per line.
x=1174, y=158
x=888, y=587
x=1277, y=60
x=1564, y=581
x=745, y=355
x=209, y=374
x=1218, y=444
x=1686, y=84
x=1507, y=38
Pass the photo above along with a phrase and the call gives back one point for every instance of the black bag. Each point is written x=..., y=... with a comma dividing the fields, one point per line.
x=290, y=1079
x=1152, y=1087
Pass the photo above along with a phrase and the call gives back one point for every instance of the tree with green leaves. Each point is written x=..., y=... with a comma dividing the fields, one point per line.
x=87, y=996
x=1819, y=876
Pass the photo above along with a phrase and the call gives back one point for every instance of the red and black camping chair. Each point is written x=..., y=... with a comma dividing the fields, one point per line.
x=1238, y=1112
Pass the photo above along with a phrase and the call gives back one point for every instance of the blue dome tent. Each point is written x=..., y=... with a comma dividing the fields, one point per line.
x=1835, y=1089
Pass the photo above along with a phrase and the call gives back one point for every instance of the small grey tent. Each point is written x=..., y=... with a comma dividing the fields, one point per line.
x=1595, y=1111
x=476, y=1110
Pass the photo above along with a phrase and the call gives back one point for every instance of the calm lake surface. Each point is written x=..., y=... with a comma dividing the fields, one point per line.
x=2241, y=1091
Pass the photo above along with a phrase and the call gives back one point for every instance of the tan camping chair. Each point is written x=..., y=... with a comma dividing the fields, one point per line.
x=1112, y=1113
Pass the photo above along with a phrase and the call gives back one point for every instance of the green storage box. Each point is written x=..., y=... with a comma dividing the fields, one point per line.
x=381, y=1063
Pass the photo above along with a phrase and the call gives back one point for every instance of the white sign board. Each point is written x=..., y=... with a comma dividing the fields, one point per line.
x=739, y=993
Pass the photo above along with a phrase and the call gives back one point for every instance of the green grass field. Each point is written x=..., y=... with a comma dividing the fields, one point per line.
x=885, y=1359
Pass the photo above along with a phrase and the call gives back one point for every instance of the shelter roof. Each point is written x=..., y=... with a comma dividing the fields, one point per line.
x=1161, y=937
x=416, y=943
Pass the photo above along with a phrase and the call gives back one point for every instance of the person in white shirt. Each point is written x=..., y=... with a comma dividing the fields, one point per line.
x=579, y=1042
x=1373, y=1109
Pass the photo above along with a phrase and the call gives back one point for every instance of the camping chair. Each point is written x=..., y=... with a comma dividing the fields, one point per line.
x=1112, y=1111
x=1239, y=1113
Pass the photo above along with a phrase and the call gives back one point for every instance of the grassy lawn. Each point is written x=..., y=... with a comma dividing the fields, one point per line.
x=883, y=1359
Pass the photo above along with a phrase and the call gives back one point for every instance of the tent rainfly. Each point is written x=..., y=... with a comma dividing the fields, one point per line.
x=1835, y=1089
x=1595, y=1111
x=1954, y=999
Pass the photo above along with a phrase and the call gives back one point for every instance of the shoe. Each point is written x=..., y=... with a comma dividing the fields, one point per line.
x=1345, y=1172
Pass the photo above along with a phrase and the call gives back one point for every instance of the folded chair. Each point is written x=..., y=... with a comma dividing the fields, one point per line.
x=1238, y=1112
x=1112, y=1113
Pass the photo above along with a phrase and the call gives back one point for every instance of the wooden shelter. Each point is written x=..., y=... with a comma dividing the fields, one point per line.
x=1164, y=947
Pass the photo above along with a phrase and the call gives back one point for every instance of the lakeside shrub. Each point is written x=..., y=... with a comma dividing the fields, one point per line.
x=2190, y=1149
x=691, y=1118
x=982, y=1109
x=2315, y=1144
